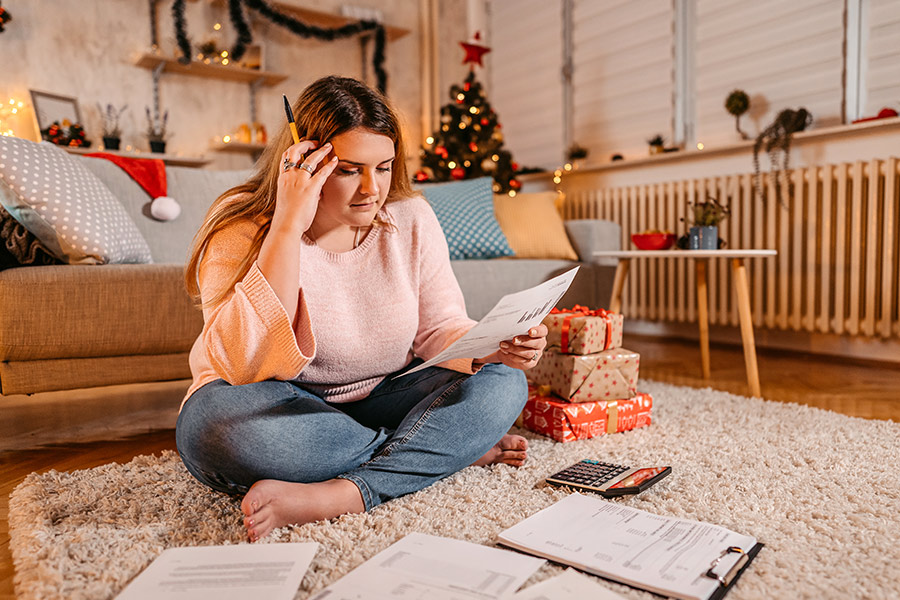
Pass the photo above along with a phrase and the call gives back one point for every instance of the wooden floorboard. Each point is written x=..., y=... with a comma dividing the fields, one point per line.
x=861, y=389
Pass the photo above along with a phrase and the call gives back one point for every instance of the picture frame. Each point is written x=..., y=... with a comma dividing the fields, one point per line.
x=53, y=107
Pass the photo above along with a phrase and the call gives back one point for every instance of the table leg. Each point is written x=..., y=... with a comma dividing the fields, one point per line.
x=703, y=315
x=615, y=301
x=742, y=288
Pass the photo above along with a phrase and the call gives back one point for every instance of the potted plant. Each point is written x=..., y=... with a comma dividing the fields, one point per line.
x=156, y=131
x=704, y=218
x=777, y=138
x=657, y=144
x=737, y=103
x=112, y=133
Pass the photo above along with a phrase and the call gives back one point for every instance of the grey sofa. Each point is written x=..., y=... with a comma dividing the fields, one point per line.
x=98, y=352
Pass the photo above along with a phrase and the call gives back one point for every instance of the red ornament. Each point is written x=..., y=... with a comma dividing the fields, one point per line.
x=473, y=147
x=514, y=184
x=421, y=176
x=441, y=151
x=484, y=121
x=474, y=52
x=458, y=173
x=515, y=166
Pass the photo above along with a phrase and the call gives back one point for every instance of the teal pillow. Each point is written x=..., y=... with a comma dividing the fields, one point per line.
x=465, y=211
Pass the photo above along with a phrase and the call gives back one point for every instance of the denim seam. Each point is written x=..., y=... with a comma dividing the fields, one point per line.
x=418, y=425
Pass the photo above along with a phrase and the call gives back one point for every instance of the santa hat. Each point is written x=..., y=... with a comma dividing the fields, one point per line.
x=150, y=174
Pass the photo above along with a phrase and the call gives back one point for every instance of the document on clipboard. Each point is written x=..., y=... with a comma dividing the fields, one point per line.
x=513, y=315
x=673, y=557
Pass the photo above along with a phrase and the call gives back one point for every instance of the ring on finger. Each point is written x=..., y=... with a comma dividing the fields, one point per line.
x=287, y=164
x=308, y=168
x=534, y=356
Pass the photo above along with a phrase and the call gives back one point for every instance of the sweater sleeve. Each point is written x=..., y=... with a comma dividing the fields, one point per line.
x=442, y=308
x=248, y=337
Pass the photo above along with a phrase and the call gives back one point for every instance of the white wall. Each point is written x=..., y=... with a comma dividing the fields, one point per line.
x=87, y=49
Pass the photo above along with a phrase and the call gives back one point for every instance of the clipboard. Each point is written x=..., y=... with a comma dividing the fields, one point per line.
x=729, y=578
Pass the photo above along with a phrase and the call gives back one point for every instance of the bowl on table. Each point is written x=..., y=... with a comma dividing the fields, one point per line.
x=653, y=241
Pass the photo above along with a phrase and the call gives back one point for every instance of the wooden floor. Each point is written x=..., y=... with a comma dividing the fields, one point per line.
x=859, y=389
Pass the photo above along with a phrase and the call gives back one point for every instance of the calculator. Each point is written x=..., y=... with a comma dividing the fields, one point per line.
x=607, y=479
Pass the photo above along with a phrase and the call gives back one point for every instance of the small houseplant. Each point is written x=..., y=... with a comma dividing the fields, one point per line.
x=657, y=144
x=704, y=218
x=737, y=103
x=112, y=133
x=156, y=131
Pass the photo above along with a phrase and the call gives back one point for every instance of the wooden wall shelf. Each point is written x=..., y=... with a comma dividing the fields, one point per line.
x=324, y=19
x=213, y=71
x=238, y=147
x=169, y=159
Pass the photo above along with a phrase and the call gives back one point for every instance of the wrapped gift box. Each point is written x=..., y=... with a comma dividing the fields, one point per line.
x=565, y=422
x=581, y=330
x=608, y=375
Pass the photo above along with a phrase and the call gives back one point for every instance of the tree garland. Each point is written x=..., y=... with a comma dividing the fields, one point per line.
x=245, y=35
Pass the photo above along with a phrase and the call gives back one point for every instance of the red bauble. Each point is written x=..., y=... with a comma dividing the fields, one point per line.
x=421, y=176
x=484, y=122
x=473, y=147
x=467, y=86
x=515, y=166
x=458, y=173
x=514, y=184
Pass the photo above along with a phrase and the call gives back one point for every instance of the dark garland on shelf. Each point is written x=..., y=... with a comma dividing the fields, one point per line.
x=245, y=35
x=184, y=44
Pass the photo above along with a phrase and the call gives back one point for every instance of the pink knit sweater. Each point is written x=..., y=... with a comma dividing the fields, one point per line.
x=362, y=314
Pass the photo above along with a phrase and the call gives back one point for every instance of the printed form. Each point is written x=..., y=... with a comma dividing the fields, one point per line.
x=513, y=315
x=665, y=555
x=238, y=572
x=568, y=585
x=426, y=567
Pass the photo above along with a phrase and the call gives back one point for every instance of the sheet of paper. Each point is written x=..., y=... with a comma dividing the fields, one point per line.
x=568, y=585
x=662, y=554
x=424, y=566
x=513, y=315
x=270, y=571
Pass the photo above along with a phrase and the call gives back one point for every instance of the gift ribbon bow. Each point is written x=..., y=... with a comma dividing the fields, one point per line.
x=582, y=311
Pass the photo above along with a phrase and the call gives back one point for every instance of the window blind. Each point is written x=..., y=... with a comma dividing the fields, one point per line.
x=881, y=76
x=525, y=81
x=623, y=80
x=783, y=54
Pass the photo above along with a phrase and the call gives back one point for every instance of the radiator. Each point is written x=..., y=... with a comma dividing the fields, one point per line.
x=837, y=236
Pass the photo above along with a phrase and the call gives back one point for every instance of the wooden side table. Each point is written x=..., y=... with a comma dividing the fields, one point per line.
x=741, y=288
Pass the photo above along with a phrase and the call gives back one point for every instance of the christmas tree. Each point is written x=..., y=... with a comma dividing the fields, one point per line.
x=469, y=143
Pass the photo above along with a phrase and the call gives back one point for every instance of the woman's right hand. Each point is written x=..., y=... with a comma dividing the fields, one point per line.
x=299, y=190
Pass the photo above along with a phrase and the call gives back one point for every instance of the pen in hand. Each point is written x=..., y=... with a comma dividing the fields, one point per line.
x=290, y=118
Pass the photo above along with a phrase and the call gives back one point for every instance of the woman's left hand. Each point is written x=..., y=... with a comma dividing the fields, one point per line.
x=523, y=351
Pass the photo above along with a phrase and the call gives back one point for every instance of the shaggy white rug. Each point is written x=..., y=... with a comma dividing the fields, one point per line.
x=820, y=489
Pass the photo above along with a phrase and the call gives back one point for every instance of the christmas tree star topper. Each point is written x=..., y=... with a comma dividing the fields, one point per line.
x=474, y=52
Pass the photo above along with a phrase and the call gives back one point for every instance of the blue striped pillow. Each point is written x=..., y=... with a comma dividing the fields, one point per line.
x=465, y=211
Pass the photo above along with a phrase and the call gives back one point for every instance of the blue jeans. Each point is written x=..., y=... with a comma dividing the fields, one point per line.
x=407, y=434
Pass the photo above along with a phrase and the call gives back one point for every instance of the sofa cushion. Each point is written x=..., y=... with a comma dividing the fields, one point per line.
x=36, y=376
x=465, y=211
x=193, y=189
x=533, y=226
x=65, y=206
x=70, y=311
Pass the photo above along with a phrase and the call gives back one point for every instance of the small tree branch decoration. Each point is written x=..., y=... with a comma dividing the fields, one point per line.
x=737, y=103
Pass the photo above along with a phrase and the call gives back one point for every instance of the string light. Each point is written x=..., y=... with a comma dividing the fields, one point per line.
x=429, y=140
x=5, y=111
x=217, y=26
x=451, y=164
x=699, y=145
x=473, y=110
x=226, y=139
x=460, y=97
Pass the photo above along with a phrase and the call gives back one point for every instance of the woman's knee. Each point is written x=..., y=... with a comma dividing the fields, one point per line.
x=507, y=387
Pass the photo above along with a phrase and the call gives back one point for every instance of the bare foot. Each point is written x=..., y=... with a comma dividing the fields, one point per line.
x=510, y=450
x=271, y=503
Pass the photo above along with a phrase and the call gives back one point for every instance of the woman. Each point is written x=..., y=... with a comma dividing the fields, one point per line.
x=320, y=279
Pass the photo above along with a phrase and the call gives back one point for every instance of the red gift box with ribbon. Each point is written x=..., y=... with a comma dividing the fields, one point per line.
x=581, y=330
x=567, y=422
x=608, y=375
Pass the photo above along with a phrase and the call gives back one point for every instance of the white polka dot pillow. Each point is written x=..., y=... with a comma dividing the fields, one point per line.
x=465, y=210
x=65, y=206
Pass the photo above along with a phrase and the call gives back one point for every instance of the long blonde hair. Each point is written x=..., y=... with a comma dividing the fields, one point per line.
x=328, y=107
